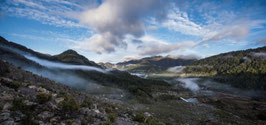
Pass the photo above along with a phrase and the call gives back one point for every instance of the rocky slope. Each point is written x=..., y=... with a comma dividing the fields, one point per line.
x=27, y=99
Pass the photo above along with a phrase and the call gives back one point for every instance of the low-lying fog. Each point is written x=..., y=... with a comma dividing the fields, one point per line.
x=198, y=85
x=190, y=83
x=50, y=64
x=63, y=73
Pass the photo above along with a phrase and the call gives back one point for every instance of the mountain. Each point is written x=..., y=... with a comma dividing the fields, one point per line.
x=160, y=61
x=107, y=65
x=68, y=88
x=244, y=69
x=78, y=72
x=72, y=57
x=153, y=64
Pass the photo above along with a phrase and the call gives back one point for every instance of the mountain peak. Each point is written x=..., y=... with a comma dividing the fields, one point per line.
x=71, y=56
x=69, y=51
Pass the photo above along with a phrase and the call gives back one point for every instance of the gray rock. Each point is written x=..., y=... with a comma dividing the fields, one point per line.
x=7, y=106
x=76, y=122
x=19, y=114
x=6, y=80
x=52, y=106
x=9, y=122
x=4, y=116
x=30, y=93
x=44, y=115
x=32, y=87
x=147, y=114
x=54, y=119
x=6, y=97
x=123, y=122
x=43, y=90
x=85, y=111
x=58, y=100
x=29, y=103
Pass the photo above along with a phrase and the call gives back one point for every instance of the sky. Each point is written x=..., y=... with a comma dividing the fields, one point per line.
x=119, y=30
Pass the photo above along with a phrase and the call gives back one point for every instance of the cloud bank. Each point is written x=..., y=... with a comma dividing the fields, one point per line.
x=58, y=65
x=114, y=19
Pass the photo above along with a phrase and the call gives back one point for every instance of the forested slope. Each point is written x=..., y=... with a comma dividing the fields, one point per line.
x=244, y=69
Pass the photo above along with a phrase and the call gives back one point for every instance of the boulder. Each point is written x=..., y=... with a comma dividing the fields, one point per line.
x=58, y=100
x=6, y=97
x=46, y=114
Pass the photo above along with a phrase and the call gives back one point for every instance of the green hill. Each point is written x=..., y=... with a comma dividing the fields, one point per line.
x=244, y=69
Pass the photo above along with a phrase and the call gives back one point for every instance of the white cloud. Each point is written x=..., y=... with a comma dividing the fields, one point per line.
x=29, y=4
x=178, y=21
x=234, y=32
x=262, y=41
x=46, y=11
x=114, y=19
x=97, y=43
x=215, y=29
x=153, y=46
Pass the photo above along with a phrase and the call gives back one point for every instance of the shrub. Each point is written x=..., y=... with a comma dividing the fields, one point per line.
x=61, y=94
x=69, y=104
x=152, y=121
x=109, y=110
x=15, y=85
x=69, y=121
x=87, y=103
x=18, y=104
x=43, y=98
x=140, y=118
x=111, y=119
x=27, y=120
x=43, y=85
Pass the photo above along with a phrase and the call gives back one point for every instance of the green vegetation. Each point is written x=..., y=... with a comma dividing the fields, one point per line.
x=15, y=85
x=18, y=104
x=43, y=98
x=140, y=118
x=69, y=104
x=27, y=120
x=70, y=121
x=111, y=119
x=242, y=69
x=43, y=85
x=4, y=68
x=87, y=103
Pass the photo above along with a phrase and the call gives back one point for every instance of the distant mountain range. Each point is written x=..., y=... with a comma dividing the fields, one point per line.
x=243, y=69
x=150, y=64
x=161, y=61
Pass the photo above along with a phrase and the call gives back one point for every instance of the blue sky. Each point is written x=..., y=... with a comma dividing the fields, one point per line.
x=117, y=30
